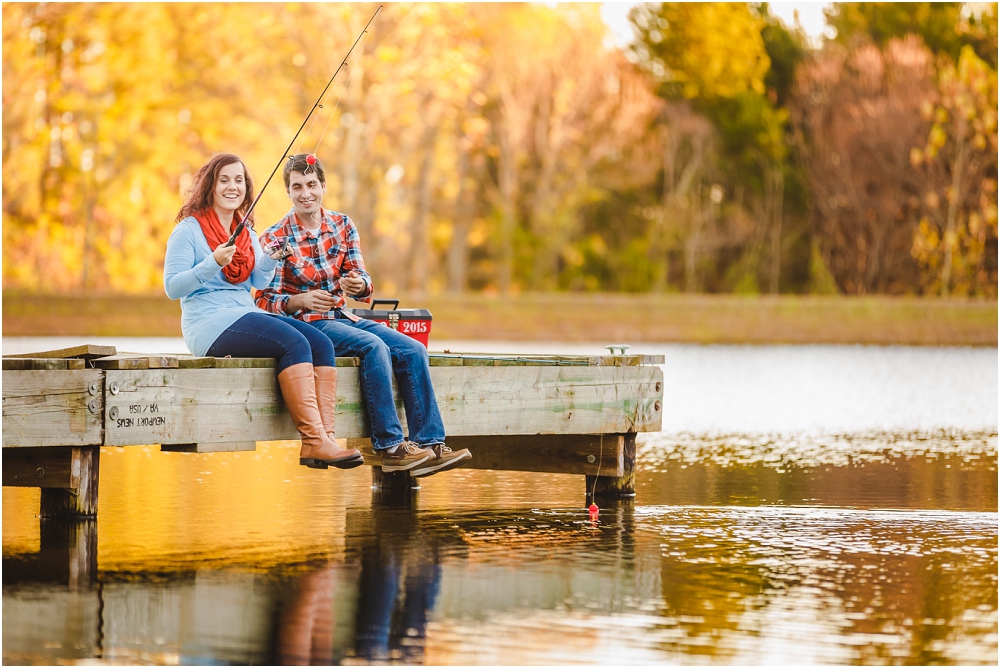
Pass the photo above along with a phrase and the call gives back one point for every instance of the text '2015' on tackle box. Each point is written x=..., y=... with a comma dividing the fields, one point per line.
x=414, y=322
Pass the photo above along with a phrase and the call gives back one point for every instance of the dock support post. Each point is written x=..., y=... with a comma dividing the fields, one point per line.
x=67, y=475
x=614, y=486
x=393, y=489
x=80, y=500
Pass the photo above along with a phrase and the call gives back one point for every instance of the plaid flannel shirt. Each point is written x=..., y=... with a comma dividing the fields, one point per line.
x=317, y=262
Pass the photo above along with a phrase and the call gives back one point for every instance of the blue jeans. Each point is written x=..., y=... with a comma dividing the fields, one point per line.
x=385, y=352
x=384, y=624
x=266, y=335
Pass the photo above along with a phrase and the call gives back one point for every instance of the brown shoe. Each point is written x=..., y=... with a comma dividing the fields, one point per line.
x=406, y=456
x=318, y=451
x=445, y=459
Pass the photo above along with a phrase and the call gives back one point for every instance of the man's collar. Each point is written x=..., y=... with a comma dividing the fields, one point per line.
x=324, y=224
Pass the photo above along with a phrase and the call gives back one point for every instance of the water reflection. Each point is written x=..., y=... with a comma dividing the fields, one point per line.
x=836, y=585
x=306, y=626
x=654, y=583
x=54, y=612
x=400, y=579
x=394, y=565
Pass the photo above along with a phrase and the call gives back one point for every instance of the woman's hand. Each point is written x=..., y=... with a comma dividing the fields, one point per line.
x=224, y=254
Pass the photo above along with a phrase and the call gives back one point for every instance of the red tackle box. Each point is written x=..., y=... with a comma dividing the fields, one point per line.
x=414, y=322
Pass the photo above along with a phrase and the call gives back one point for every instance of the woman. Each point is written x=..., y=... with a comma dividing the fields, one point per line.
x=219, y=317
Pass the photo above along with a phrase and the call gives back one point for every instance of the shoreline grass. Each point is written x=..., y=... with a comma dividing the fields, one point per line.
x=625, y=318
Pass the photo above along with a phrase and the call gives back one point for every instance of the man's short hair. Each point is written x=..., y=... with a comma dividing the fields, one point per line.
x=297, y=163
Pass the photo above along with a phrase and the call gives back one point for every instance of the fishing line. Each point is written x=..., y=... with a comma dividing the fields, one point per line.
x=316, y=216
x=316, y=105
x=592, y=508
x=347, y=82
x=600, y=460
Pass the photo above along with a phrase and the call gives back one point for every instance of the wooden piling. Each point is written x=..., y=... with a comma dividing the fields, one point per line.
x=398, y=480
x=67, y=475
x=79, y=500
x=393, y=490
x=616, y=486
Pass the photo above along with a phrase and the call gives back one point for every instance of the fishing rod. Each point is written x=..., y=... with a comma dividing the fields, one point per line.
x=317, y=105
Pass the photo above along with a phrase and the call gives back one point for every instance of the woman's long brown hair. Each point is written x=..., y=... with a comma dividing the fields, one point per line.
x=200, y=195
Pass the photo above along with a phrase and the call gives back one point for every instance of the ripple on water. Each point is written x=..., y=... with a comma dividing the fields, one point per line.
x=808, y=450
x=652, y=584
x=833, y=585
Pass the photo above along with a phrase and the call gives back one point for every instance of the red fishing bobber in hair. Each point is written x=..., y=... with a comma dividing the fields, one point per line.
x=311, y=159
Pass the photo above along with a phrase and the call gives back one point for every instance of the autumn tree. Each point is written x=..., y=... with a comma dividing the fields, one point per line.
x=959, y=226
x=944, y=27
x=857, y=116
x=511, y=146
x=724, y=72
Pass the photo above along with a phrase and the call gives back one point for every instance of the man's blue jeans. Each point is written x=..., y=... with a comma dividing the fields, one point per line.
x=384, y=352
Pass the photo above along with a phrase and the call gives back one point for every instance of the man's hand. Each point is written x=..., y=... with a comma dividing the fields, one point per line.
x=352, y=284
x=224, y=254
x=315, y=300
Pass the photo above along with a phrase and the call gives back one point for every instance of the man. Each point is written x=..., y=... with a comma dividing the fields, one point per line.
x=310, y=285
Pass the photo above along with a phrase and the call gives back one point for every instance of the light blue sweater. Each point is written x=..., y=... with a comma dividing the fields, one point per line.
x=209, y=303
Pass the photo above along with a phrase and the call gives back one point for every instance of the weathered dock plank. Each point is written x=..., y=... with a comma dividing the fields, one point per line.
x=191, y=362
x=42, y=364
x=526, y=400
x=40, y=467
x=156, y=361
x=230, y=446
x=486, y=359
x=121, y=362
x=67, y=476
x=52, y=408
x=245, y=363
x=87, y=351
x=183, y=406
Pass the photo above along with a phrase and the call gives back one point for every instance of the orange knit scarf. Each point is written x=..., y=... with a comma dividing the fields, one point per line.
x=243, y=261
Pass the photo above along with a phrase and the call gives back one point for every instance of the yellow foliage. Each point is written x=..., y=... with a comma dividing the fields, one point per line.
x=961, y=156
x=710, y=49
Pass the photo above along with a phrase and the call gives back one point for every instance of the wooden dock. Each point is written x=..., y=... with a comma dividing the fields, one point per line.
x=545, y=413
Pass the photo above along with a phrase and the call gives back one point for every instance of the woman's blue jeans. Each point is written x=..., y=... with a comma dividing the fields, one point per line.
x=384, y=352
x=259, y=334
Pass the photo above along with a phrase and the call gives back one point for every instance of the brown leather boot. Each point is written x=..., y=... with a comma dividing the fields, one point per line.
x=319, y=451
x=326, y=396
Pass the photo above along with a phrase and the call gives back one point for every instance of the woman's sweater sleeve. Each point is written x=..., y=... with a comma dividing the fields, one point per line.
x=263, y=269
x=181, y=274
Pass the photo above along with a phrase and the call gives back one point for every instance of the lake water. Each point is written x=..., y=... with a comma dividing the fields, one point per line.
x=807, y=504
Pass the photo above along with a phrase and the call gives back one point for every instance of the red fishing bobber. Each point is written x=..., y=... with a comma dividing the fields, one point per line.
x=593, y=509
x=311, y=159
